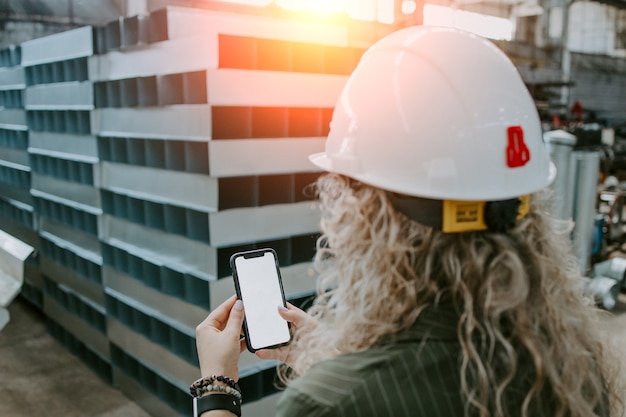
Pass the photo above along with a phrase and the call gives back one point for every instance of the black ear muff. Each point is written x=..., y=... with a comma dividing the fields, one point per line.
x=501, y=216
x=421, y=210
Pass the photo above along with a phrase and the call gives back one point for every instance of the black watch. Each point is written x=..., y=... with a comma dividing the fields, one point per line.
x=216, y=402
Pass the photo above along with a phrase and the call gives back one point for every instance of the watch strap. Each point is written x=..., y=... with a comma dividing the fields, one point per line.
x=216, y=402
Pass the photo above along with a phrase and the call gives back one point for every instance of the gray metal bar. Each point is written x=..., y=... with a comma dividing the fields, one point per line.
x=79, y=328
x=239, y=226
x=188, y=314
x=183, y=253
x=11, y=78
x=587, y=166
x=13, y=119
x=85, y=195
x=70, y=44
x=78, y=284
x=560, y=145
x=147, y=400
x=157, y=358
x=62, y=144
x=189, y=122
x=69, y=96
x=15, y=156
x=194, y=191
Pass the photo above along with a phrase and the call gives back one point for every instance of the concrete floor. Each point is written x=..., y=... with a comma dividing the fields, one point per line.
x=39, y=377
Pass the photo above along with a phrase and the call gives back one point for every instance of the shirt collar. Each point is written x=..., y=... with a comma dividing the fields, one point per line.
x=438, y=322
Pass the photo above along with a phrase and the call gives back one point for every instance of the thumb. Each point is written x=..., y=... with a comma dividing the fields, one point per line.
x=289, y=315
x=297, y=317
x=235, y=319
x=293, y=315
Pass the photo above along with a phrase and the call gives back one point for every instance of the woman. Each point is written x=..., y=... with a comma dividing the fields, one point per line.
x=445, y=287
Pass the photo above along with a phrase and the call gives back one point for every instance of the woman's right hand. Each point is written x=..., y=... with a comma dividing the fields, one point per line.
x=298, y=319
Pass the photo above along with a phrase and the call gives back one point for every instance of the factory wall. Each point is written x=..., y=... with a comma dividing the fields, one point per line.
x=600, y=85
x=136, y=157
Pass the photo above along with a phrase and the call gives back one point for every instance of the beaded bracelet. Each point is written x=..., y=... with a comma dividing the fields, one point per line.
x=228, y=381
x=208, y=380
x=218, y=388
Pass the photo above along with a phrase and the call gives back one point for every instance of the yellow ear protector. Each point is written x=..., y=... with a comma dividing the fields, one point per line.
x=450, y=216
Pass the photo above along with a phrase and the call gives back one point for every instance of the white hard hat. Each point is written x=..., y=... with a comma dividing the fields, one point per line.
x=438, y=113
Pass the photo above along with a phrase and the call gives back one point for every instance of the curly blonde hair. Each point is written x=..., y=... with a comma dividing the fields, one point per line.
x=519, y=295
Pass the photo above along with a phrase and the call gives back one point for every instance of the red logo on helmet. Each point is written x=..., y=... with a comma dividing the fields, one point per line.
x=517, y=153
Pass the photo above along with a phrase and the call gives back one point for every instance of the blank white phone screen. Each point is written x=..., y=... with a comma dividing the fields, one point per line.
x=261, y=295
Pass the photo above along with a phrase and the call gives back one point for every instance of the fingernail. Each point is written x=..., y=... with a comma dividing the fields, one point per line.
x=283, y=308
x=238, y=305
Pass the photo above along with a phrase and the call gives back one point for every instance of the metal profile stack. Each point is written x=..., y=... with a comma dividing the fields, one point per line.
x=215, y=141
x=16, y=205
x=160, y=145
x=63, y=155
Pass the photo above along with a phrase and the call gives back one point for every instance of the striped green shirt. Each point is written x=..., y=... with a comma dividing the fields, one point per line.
x=416, y=375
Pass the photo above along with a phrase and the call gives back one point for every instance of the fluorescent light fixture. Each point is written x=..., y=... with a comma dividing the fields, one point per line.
x=527, y=9
x=484, y=25
x=385, y=11
x=362, y=9
x=315, y=6
x=251, y=2
x=370, y=10
x=409, y=6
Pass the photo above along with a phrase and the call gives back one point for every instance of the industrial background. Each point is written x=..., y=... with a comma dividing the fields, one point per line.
x=143, y=142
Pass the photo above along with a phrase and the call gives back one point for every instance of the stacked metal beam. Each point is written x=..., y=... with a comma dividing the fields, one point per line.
x=66, y=199
x=16, y=204
x=160, y=145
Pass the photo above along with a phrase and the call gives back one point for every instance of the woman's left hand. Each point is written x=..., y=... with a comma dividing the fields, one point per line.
x=298, y=319
x=218, y=340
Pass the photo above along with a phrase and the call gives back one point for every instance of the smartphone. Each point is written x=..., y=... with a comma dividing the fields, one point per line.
x=259, y=285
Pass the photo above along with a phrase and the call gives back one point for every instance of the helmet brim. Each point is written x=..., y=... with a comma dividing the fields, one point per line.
x=321, y=160
x=324, y=162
